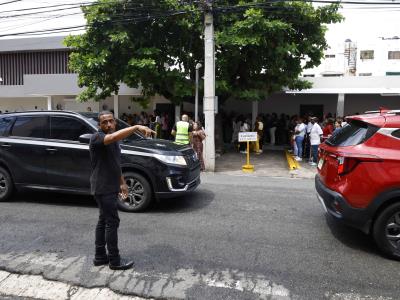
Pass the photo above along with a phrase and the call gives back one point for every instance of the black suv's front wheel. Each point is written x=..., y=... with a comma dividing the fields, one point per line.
x=6, y=185
x=386, y=231
x=139, y=193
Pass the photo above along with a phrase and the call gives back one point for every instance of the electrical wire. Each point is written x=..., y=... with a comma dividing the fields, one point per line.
x=9, y=2
x=145, y=12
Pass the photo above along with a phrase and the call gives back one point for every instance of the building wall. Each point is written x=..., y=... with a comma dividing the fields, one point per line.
x=284, y=103
x=336, y=62
x=362, y=103
x=21, y=104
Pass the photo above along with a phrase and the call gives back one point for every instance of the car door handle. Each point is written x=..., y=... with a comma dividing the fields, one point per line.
x=51, y=150
x=5, y=145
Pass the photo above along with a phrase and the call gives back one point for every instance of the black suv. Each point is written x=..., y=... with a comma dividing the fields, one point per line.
x=49, y=150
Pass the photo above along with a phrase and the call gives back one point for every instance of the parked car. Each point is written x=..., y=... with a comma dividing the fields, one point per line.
x=358, y=178
x=49, y=150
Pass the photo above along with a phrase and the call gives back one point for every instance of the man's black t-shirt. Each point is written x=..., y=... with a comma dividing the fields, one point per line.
x=106, y=165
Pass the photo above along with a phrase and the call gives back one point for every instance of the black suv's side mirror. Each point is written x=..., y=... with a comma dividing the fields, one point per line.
x=85, y=138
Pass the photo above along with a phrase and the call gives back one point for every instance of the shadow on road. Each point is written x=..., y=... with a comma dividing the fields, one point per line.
x=352, y=237
x=50, y=198
x=187, y=203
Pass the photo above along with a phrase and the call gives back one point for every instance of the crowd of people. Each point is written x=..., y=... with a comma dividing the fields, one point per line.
x=302, y=133
x=161, y=123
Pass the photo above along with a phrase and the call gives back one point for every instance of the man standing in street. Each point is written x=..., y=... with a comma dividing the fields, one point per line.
x=107, y=182
x=315, y=140
x=182, y=131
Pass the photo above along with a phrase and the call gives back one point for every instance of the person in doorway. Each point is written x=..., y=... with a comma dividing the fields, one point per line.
x=338, y=125
x=182, y=131
x=315, y=140
x=164, y=126
x=236, y=124
x=259, y=128
x=107, y=183
x=299, y=133
x=198, y=136
x=328, y=129
x=272, y=129
x=245, y=127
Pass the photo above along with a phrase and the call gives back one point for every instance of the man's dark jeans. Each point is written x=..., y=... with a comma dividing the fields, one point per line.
x=107, y=228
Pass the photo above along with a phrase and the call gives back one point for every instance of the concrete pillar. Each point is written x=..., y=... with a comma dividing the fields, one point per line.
x=340, y=105
x=116, y=106
x=49, y=104
x=254, y=112
x=177, y=113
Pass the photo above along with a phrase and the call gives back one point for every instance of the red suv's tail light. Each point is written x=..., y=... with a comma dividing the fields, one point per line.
x=348, y=162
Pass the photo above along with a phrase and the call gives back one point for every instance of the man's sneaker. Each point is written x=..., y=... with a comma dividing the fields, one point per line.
x=313, y=164
x=100, y=261
x=298, y=158
x=123, y=265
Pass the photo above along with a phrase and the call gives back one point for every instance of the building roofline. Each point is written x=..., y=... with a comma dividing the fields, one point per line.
x=33, y=44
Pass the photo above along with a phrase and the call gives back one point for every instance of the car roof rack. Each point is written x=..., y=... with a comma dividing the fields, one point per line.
x=394, y=111
x=41, y=111
x=372, y=112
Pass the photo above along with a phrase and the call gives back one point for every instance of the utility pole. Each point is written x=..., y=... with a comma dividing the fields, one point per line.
x=209, y=86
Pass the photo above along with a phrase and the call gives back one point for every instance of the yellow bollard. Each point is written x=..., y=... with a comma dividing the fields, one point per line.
x=248, y=168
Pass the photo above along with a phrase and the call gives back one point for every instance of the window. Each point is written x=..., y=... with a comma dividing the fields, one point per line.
x=31, y=126
x=394, y=55
x=64, y=128
x=330, y=56
x=367, y=54
x=365, y=74
x=332, y=75
x=5, y=124
x=354, y=133
x=396, y=134
x=392, y=73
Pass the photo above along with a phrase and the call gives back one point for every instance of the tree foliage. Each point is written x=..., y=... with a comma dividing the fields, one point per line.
x=261, y=46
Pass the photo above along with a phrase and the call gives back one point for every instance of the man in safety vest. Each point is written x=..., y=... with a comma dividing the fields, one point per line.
x=182, y=131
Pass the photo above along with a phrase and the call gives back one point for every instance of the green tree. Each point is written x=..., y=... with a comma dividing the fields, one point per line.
x=261, y=46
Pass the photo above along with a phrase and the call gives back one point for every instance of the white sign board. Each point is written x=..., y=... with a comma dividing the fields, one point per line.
x=247, y=136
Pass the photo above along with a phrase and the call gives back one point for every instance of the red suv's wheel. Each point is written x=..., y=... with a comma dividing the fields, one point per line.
x=386, y=231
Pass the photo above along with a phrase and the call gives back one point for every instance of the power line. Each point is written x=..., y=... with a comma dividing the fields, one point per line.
x=9, y=2
x=125, y=21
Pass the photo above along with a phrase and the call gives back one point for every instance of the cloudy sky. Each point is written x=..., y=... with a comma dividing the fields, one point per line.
x=362, y=22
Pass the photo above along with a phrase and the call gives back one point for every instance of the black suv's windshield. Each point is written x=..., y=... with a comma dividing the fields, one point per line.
x=94, y=119
x=353, y=133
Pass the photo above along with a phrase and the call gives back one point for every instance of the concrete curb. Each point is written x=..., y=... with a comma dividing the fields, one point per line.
x=292, y=163
x=36, y=287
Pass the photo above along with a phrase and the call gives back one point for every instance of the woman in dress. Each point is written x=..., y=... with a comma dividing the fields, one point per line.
x=198, y=136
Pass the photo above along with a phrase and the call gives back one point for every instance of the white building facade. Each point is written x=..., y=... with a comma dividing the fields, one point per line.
x=353, y=78
x=34, y=75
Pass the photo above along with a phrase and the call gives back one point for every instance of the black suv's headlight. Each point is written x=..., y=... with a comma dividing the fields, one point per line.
x=178, y=160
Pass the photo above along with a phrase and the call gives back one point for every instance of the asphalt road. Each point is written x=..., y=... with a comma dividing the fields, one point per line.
x=236, y=237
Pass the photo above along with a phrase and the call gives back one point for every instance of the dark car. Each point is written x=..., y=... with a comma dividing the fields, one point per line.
x=49, y=150
x=358, y=179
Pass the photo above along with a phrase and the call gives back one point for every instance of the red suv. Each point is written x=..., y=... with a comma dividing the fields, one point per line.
x=358, y=178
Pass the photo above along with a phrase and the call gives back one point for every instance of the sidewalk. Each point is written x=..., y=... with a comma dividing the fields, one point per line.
x=271, y=163
x=18, y=286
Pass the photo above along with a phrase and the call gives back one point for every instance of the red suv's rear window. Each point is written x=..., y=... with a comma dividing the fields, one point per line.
x=353, y=133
